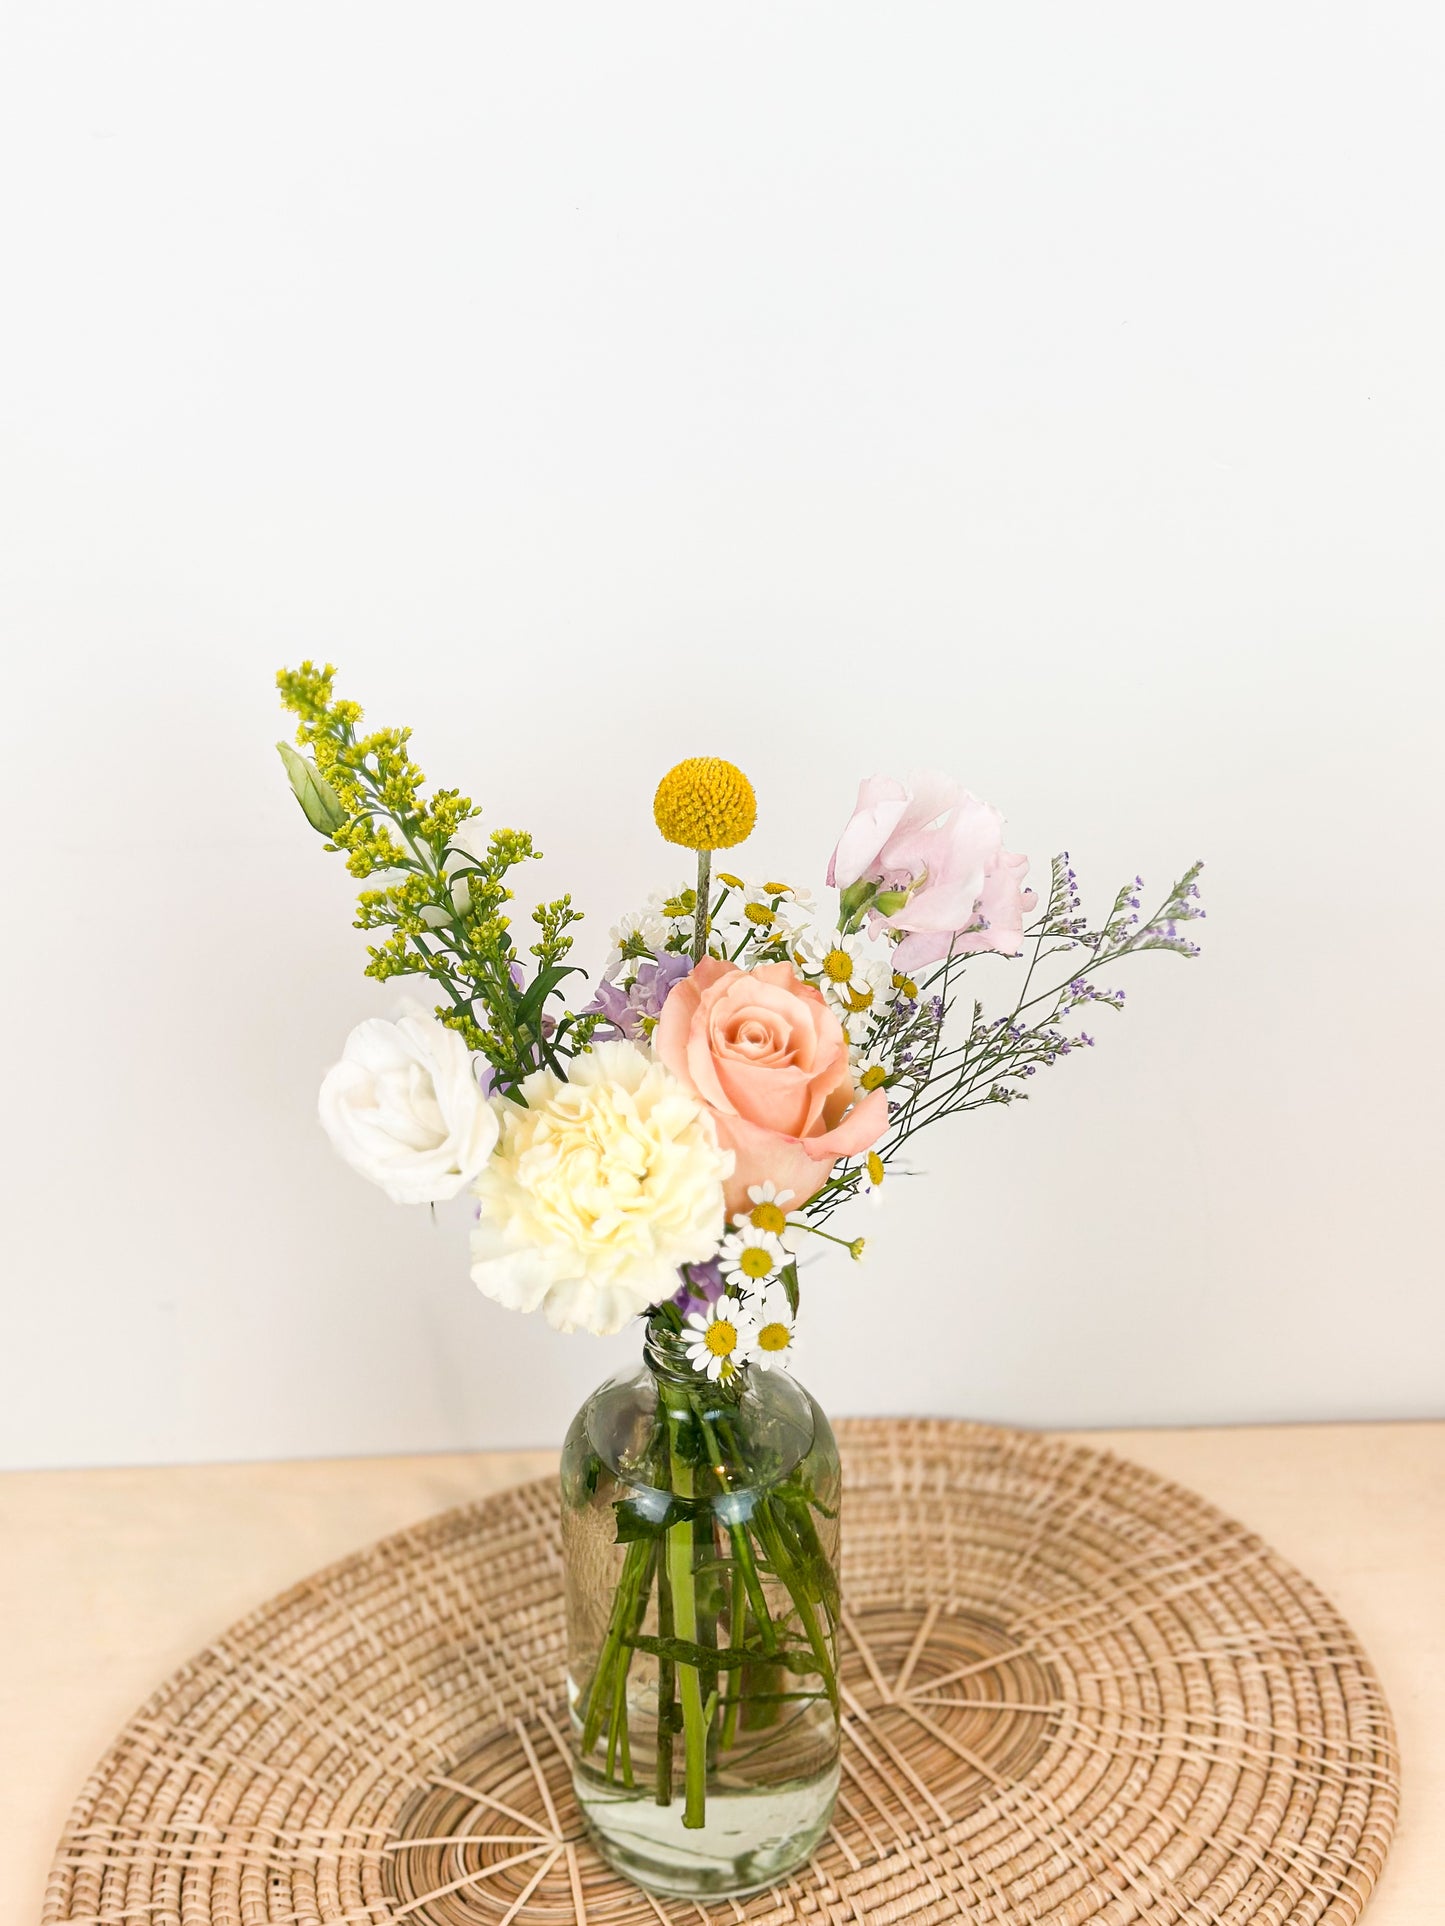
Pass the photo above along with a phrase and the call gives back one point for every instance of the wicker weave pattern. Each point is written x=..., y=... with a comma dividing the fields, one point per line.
x=1073, y=1692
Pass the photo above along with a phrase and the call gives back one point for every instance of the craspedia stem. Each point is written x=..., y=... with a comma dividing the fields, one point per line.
x=701, y=917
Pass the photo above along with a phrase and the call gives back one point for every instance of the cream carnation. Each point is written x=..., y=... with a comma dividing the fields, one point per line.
x=597, y=1191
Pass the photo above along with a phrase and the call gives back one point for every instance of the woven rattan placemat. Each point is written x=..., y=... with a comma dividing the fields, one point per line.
x=1073, y=1692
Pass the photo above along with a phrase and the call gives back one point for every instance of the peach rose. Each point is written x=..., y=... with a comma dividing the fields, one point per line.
x=769, y=1058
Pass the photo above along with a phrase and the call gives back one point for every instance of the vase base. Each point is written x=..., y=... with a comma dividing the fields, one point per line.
x=754, y=1837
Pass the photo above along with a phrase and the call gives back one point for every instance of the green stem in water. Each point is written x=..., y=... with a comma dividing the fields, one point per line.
x=742, y=1546
x=663, y=1792
x=682, y=1584
x=774, y=1543
x=632, y=1590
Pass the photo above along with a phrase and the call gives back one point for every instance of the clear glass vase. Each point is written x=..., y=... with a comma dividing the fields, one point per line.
x=700, y=1535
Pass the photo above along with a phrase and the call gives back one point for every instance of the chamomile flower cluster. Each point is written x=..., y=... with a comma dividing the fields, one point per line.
x=736, y=1331
x=856, y=976
x=760, y=920
x=749, y=922
x=751, y=1319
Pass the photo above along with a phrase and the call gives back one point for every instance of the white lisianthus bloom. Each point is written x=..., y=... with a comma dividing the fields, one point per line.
x=599, y=1189
x=403, y=1107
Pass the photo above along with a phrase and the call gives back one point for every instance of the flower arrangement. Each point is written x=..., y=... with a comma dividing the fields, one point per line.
x=670, y=1145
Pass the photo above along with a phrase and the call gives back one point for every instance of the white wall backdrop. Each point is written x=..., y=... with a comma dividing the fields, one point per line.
x=1051, y=394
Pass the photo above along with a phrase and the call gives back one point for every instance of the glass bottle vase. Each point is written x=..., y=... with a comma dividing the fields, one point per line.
x=700, y=1537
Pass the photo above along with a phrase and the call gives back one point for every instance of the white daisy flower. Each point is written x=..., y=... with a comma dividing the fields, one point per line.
x=800, y=899
x=716, y=1340
x=854, y=975
x=769, y=1212
x=771, y=1339
x=871, y=1069
x=814, y=947
x=640, y=933
x=750, y=1256
x=765, y=914
x=767, y=894
x=871, y=1178
x=674, y=918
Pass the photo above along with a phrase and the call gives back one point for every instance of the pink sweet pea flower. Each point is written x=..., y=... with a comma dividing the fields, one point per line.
x=934, y=854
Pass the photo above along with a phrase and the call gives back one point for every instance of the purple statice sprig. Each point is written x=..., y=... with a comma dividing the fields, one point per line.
x=998, y=1057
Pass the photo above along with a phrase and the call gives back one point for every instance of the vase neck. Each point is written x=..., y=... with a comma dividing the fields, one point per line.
x=665, y=1355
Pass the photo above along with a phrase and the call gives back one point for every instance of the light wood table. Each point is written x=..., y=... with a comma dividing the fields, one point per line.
x=110, y=1579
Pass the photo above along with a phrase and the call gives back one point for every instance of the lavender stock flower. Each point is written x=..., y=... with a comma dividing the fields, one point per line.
x=701, y=1284
x=632, y=1011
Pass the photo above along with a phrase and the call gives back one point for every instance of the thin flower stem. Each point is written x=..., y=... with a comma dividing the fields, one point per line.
x=684, y=1615
x=700, y=914
x=772, y=1540
x=741, y=1543
x=632, y=1587
x=662, y=1778
x=831, y=1236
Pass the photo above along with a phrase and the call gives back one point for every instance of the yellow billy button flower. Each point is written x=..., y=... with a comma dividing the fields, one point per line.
x=705, y=803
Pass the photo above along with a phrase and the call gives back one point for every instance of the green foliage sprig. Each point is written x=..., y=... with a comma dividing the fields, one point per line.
x=443, y=903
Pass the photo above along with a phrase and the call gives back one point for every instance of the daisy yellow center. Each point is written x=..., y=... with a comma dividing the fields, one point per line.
x=722, y=1338
x=859, y=999
x=875, y=1167
x=755, y=1262
x=774, y=1337
x=767, y=1217
x=705, y=803
x=837, y=966
x=759, y=913
x=906, y=986
x=874, y=1077
x=733, y=882
x=777, y=889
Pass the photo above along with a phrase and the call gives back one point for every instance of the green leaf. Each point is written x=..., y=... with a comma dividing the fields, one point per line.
x=634, y=1524
x=529, y=1009
x=789, y=1281
x=320, y=803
